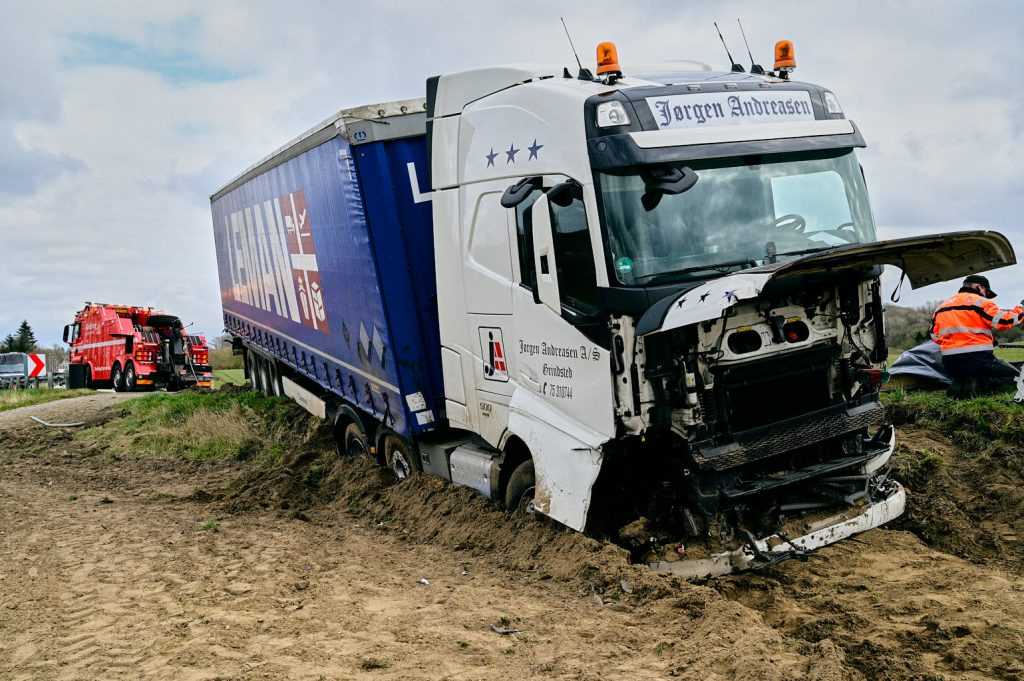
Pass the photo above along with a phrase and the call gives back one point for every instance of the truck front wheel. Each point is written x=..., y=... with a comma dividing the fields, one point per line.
x=520, y=489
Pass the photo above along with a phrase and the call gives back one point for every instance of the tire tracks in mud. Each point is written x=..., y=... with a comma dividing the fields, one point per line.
x=137, y=588
x=898, y=609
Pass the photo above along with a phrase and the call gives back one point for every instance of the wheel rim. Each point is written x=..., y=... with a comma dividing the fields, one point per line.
x=116, y=377
x=129, y=378
x=400, y=466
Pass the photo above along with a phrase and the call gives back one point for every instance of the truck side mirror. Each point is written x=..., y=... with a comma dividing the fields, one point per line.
x=515, y=194
x=67, y=332
x=544, y=255
x=564, y=193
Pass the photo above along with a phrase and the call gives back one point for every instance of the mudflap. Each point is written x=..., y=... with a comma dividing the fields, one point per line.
x=760, y=553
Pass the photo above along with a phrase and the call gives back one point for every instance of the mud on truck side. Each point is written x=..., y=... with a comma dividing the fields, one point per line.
x=640, y=302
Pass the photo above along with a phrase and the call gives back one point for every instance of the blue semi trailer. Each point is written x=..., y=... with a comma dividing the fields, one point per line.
x=325, y=256
x=658, y=296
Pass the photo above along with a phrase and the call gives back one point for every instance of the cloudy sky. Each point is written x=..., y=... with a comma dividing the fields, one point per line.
x=118, y=120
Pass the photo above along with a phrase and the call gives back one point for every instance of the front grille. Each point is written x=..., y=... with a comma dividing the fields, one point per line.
x=763, y=442
x=775, y=388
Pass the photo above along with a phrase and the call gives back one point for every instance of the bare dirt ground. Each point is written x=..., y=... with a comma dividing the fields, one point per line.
x=114, y=567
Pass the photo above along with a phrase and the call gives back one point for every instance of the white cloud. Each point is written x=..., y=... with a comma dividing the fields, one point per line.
x=118, y=209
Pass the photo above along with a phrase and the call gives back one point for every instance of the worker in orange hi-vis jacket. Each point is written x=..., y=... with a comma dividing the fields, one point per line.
x=964, y=327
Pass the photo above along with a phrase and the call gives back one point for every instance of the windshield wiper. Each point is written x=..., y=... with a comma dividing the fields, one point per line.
x=720, y=267
x=807, y=250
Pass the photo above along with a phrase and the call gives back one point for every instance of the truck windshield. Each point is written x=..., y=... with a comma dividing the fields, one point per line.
x=738, y=213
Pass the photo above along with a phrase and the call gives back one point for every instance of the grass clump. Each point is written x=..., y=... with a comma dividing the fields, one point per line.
x=13, y=399
x=973, y=423
x=204, y=426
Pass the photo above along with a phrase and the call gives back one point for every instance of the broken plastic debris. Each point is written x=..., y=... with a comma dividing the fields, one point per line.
x=57, y=425
x=424, y=581
x=504, y=631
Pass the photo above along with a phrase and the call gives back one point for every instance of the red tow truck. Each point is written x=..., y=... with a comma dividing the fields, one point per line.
x=134, y=348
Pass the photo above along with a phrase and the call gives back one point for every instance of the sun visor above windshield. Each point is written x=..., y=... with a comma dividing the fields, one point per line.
x=687, y=144
x=925, y=260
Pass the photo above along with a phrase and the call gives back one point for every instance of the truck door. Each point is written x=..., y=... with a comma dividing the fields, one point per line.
x=488, y=287
x=555, y=302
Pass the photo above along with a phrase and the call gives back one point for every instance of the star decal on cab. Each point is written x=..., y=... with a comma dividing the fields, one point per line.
x=510, y=153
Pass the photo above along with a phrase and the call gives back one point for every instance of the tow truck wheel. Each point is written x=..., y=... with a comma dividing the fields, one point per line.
x=520, y=489
x=88, y=379
x=400, y=457
x=130, y=384
x=117, y=378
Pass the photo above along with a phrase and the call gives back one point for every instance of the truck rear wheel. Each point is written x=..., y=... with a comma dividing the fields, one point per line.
x=400, y=458
x=117, y=378
x=354, y=442
x=129, y=380
x=520, y=489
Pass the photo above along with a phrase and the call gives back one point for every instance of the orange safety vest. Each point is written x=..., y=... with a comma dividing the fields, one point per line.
x=966, y=323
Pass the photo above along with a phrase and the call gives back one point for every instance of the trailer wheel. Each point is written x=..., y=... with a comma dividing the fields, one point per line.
x=354, y=442
x=256, y=371
x=129, y=378
x=520, y=489
x=273, y=379
x=117, y=378
x=400, y=457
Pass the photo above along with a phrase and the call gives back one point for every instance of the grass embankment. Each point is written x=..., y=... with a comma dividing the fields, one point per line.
x=201, y=426
x=963, y=461
x=12, y=399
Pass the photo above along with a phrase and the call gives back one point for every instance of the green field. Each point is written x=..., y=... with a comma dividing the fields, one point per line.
x=228, y=377
x=12, y=399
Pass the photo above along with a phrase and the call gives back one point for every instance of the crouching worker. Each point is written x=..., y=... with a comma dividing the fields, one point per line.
x=964, y=328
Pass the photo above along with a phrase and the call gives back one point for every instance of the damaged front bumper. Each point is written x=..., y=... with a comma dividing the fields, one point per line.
x=775, y=548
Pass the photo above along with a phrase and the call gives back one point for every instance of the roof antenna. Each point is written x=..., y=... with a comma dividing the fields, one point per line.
x=754, y=68
x=735, y=67
x=584, y=74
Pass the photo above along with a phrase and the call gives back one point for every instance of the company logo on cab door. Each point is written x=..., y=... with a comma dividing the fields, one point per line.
x=492, y=347
x=272, y=260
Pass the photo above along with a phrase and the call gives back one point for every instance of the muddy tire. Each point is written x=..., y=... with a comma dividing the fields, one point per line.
x=353, y=442
x=117, y=378
x=400, y=458
x=520, y=488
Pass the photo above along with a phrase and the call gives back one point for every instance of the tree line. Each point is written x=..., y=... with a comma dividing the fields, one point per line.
x=22, y=340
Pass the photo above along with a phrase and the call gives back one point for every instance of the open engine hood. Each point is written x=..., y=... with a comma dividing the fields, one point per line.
x=924, y=259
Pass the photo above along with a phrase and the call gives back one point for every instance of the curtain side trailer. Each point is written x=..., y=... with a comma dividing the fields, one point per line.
x=647, y=302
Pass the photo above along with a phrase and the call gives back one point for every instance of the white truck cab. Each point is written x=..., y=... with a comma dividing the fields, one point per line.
x=665, y=294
